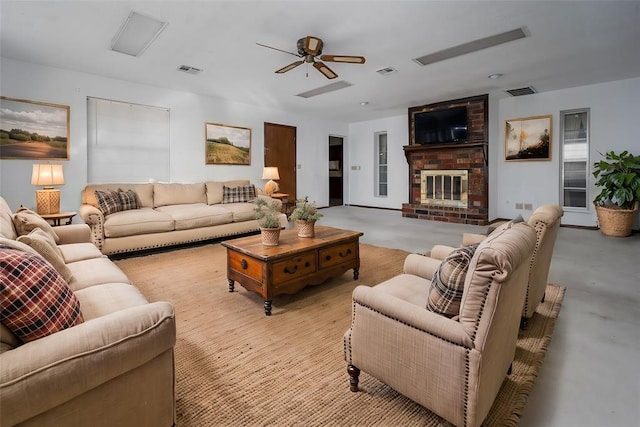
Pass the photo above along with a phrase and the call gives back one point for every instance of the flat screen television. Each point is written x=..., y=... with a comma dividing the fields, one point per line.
x=441, y=126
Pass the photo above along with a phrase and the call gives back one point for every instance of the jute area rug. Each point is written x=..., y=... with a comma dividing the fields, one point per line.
x=235, y=366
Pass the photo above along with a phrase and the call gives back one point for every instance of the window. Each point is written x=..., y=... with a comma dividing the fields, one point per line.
x=574, y=152
x=126, y=142
x=381, y=164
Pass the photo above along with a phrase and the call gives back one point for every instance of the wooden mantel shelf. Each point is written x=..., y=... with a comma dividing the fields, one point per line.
x=408, y=149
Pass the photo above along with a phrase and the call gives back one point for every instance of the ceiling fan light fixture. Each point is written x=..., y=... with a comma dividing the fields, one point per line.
x=328, y=72
x=312, y=45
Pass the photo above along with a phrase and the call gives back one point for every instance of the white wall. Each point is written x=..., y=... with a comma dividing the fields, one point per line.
x=361, y=154
x=615, y=112
x=188, y=114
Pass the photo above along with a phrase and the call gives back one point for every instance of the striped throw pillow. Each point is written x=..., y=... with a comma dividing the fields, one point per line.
x=240, y=194
x=447, y=284
x=109, y=201
x=128, y=199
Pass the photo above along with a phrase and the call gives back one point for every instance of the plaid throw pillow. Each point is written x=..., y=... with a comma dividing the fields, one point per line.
x=241, y=194
x=447, y=284
x=109, y=201
x=128, y=199
x=35, y=300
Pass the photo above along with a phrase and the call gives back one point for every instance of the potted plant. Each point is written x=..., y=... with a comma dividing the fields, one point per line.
x=618, y=177
x=305, y=216
x=267, y=216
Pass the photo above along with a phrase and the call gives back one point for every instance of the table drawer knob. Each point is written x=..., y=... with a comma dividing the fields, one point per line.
x=291, y=270
x=244, y=264
x=342, y=254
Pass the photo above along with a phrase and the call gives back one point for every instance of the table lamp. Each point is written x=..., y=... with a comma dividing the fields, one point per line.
x=47, y=199
x=270, y=173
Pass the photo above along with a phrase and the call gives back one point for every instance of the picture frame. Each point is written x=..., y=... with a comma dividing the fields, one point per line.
x=227, y=145
x=528, y=138
x=32, y=130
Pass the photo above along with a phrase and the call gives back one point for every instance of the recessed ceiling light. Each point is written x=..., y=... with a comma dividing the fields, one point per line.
x=494, y=76
x=136, y=34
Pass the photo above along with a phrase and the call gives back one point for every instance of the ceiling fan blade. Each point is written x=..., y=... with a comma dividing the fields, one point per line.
x=289, y=67
x=280, y=50
x=312, y=45
x=344, y=58
x=328, y=72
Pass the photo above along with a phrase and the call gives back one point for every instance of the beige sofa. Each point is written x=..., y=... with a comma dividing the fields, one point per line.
x=452, y=366
x=169, y=214
x=114, y=369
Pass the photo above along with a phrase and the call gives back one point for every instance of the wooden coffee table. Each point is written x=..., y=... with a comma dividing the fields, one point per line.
x=294, y=264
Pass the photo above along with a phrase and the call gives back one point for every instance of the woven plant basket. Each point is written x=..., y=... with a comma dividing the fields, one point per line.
x=270, y=236
x=616, y=222
x=306, y=228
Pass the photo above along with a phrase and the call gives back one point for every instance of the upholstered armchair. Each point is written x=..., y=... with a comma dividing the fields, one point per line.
x=452, y=366
x=546, y=221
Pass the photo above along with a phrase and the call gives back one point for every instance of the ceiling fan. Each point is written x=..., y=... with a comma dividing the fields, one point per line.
x=310, y=49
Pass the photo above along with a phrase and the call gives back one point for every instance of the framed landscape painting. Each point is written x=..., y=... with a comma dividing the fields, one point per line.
x=528, y=138
x=33, y=130
x=227, y=145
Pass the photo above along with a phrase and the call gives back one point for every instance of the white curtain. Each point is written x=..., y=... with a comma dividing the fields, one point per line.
x=126, y=142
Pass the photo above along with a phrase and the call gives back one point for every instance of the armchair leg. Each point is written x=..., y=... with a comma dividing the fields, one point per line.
x=354, y=373
x=523, y=323
x=542, y=300
x=510, y=370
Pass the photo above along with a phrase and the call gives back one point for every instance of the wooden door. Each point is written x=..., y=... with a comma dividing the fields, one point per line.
x=280, y=151
x=335, y=171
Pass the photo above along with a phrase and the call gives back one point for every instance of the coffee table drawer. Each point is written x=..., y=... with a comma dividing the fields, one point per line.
x=246, y=265
x=294, y=267
x=338, y=254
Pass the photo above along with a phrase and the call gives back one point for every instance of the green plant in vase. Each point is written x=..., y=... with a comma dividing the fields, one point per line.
x=305, y=216
x=267, y=215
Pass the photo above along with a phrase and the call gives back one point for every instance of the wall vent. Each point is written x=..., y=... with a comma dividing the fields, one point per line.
x=386, y=71
x=521, y=91
x=189, y=70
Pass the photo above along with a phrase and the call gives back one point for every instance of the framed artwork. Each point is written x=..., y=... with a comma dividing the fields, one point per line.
x=227, y=145
x=33, y=130
x=528, y=138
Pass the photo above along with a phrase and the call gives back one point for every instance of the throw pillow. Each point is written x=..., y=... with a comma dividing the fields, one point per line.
x=128, y=199
x=447, y=284
x=25, y=220
x=240, y=194
x=46, y=247
x=35, y=300
x=108, y=201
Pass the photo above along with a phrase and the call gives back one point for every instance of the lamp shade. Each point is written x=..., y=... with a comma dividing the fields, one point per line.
x=47, y=175
x=270, y=172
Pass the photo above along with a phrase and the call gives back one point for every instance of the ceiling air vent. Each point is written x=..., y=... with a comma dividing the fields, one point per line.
x=521, y=91
x=386, y=71
x=189, y=70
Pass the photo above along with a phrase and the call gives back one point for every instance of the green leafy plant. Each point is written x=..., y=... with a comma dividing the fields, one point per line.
x=618, y=176
x=267, y=213
x=305, y=211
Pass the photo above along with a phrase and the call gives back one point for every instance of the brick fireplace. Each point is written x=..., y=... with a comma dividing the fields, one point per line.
x=435, y=170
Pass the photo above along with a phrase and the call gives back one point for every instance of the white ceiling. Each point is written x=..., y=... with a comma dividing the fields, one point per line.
x=569, y=43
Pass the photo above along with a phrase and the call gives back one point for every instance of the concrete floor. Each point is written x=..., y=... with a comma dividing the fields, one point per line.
x=590, y=375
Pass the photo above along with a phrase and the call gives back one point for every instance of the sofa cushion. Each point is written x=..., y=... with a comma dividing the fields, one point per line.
x=26, y=220
x=100, y=300
x=144, y=193
x=196, y=215
x=239, y=194
x=176, y=194
x=95, y=271
x=14, y=244
x=447, y=284
x=128, y=199
x=137, y=221
x=36, y=300
x=7, y=229
x=73, y=252
x=45, y=246
x=214, y=189
x=241, y=211
x=108, y=201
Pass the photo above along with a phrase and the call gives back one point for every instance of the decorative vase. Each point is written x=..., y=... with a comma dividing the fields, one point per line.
x=616, y=222
x=270, y=236
x=306, y=228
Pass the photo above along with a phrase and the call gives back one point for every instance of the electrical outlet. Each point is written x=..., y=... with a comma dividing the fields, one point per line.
x=528, y=207
x=354, y=168
x=518, y=205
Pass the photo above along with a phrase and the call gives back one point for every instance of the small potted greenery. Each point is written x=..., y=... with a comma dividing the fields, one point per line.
x=305, y=216
x=267, y=216
x=618, y=177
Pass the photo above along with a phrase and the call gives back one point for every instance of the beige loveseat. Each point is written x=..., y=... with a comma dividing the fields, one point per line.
x=169, y=214
x=116, y=368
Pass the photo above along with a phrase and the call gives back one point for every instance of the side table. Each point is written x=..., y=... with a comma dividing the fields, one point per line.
x=57, y=217
x=287, y=203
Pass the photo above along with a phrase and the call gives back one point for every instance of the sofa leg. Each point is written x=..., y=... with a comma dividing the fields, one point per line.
x=354, y=373
x=510, y=370
x=523, y=323
x=542, y=300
